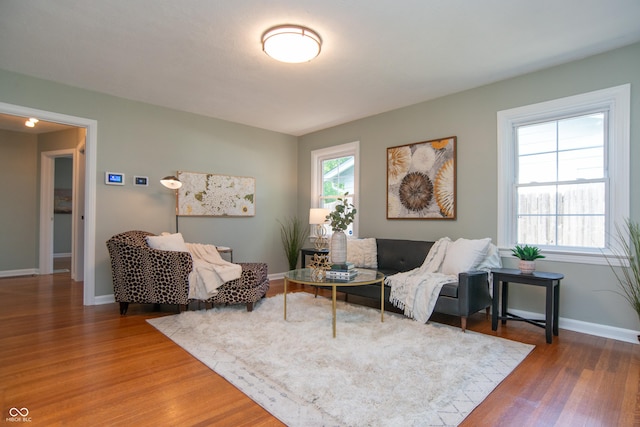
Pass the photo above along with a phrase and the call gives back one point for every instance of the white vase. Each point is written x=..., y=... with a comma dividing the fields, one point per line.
x=527, y=267
x=338, y=251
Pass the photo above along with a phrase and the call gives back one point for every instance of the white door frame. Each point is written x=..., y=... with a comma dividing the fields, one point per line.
x=77, y=219
x=47, y=180
x=90, y=185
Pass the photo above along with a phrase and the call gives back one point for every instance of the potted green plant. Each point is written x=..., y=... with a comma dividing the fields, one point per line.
x=628, y=275
x=339, y=219
x=293, y=235
x=528, y=256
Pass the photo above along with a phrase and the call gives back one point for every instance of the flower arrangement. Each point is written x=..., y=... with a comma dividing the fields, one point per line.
x=526, y=252
x=342, y=215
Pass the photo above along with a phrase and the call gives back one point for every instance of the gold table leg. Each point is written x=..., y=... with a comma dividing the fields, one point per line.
x=285, y=298
x=382, y=301
x=333, y=302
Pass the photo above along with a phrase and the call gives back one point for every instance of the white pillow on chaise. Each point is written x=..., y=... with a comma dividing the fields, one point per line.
x=167, y=242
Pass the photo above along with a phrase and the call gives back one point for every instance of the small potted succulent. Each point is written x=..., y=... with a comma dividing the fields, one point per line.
x=528, y=256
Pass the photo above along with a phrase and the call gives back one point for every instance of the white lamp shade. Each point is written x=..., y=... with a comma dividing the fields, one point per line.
x=318, y=215
x=291, y=43
x=171, y=182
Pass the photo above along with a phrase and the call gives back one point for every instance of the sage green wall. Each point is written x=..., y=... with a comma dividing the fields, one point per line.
x=20, y=154
x=586, y=292
x=142, y=139
x=19, y=205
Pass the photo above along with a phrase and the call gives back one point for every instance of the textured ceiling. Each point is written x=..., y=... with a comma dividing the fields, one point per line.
x=205, y=56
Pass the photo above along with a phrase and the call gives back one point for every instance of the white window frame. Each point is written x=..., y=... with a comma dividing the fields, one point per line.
x=616, y=101
x=343, y=150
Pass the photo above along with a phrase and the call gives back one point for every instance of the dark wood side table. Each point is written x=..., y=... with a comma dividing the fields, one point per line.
x=551, y=281
x=305, y=252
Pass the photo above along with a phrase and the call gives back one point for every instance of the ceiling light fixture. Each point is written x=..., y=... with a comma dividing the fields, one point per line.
x=31, y=122
x=291, y=43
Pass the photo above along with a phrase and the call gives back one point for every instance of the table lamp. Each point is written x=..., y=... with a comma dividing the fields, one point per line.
x=318, y=217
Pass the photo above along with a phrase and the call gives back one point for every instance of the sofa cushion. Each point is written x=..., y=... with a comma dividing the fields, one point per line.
x=362, y=252
x=450, y=290
x=464, y=255
x=397, y=255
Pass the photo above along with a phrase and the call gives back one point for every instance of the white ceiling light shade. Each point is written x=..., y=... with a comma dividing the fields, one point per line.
x=291, y=43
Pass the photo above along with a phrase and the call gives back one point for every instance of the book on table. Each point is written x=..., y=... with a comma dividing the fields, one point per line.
x=342, y=267
x=342, y=275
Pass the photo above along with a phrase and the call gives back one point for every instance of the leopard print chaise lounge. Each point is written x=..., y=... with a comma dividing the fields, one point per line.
x=149, y=276
x=248, y=289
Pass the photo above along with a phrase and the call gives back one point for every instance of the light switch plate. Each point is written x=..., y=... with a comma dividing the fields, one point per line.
x=141, y=180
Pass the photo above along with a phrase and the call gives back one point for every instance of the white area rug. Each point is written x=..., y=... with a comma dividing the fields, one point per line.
x=396, y=373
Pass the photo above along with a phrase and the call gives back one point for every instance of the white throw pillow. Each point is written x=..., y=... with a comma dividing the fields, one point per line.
x=491, y=260
x=464, y=255
x=168, y=242
x=363, y=252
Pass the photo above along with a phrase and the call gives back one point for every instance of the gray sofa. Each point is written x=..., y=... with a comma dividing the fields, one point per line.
x=469, y=295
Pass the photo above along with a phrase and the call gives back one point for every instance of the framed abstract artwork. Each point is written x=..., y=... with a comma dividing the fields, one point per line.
x=421, y=180
x=208, y=194
x=62, y=201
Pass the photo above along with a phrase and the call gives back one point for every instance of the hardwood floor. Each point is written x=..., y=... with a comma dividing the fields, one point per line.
x=75, y=365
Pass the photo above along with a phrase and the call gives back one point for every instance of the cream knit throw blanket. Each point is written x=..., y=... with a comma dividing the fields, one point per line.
x=209, y=272
x=416, y=291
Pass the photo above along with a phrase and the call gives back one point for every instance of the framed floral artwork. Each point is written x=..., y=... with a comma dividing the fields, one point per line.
x=208, y=194
x=421, y=180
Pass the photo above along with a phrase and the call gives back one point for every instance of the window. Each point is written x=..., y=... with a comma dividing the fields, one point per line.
x=563, y=183
x=335, y=171
x=560, y=182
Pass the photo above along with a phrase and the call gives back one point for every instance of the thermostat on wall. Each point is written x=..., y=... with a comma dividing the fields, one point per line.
x=113, y=178
x=141, y=180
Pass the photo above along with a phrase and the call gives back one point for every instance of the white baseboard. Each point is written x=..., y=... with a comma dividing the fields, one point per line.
x=62, y=255
x=276, y=276
x=612, y=332
x=24, y=272
x=104, y=299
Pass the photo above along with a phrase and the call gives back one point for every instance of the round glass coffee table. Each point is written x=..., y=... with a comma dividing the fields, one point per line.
x=364, y=277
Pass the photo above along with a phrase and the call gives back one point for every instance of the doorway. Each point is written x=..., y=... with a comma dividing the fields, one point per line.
x=88, y=229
